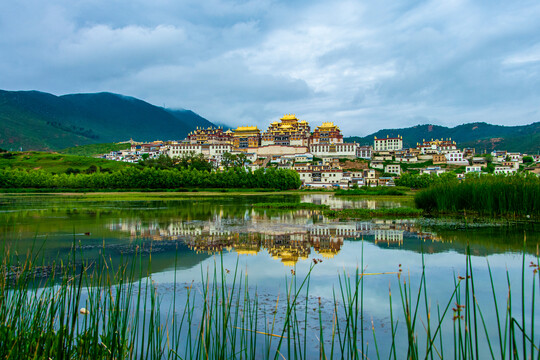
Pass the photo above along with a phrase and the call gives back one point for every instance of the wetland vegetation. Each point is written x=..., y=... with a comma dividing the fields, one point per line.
x=173, y=275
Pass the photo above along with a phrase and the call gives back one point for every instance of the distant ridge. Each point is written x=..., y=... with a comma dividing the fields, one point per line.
x=479, y=135
x=36, y=120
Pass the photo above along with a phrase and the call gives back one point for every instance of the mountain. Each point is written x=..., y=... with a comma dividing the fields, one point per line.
x=41, y=121
x=481, y=136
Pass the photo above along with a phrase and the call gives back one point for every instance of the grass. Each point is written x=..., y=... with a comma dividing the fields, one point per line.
x=55, y=163
x=378, y=190
x=487, y=195
x=95, y=149
x=82, y=311
x=369, y=213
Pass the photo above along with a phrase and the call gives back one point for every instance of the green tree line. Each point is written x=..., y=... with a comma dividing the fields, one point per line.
x=152, y=178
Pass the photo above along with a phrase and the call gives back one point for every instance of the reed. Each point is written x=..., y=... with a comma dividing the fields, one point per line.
x=84, y=311
x=489, y=195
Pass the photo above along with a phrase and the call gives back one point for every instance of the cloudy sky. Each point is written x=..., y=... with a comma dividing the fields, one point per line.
x=365, y=65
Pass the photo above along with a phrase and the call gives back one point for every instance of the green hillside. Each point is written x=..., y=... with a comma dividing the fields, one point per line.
x=482, y=136
x=56, y=163
x=39, y=121
x=95, y=149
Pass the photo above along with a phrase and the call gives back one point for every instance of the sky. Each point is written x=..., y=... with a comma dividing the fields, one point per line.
x=365, y=65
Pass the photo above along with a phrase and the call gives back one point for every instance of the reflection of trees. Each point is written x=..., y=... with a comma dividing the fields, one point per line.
x=208, y=225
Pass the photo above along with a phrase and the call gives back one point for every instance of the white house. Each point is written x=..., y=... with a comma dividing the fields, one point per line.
x=388, y=144
x=504, y=170
x=473, y=169
x=392, y=169
x=455, y=158
x=432, y=170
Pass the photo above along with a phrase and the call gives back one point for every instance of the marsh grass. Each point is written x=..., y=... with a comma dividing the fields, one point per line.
x=222, y=317
x=488, y=195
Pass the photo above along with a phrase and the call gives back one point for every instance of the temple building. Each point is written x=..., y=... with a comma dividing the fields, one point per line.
x=436, y=146
x=246, y=137
x=210, y=135
x=327, y=133
x=289, y=132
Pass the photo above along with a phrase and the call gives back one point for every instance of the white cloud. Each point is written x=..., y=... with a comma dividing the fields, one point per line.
x=363, y=65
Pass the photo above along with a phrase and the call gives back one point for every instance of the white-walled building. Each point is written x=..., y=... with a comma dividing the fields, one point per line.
x=455, y=158
x=504, y=170
x=210, y=151
x=473, y=169
x=388, y=144
x=433, y=170
x=340, y=150
x=392, y=169
x=364, y=152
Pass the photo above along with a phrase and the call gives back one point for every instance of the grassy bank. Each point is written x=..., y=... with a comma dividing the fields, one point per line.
x=96, y=312
x=485, y=195
x=378, y=190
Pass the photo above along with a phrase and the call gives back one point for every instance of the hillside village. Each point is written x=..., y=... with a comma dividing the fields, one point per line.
x=323, y=159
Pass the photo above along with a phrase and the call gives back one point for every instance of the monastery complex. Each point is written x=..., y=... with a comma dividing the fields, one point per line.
x=289, y=136
x=321, y=157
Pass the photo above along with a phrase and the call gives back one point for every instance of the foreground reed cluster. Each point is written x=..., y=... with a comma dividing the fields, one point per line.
x=488, y=195
x=90, y=311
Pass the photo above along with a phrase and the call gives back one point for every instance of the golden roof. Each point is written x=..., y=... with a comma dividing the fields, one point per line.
x=289, y=117
x=246, y=128
x=327, y=125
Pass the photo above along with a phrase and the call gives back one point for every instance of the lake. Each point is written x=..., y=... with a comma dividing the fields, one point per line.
x=189, y=235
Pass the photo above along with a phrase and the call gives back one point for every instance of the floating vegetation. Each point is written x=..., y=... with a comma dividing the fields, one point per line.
x=370, y=213
x=292, y=206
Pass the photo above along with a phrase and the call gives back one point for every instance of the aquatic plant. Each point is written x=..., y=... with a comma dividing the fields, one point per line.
x=78, y=310
x=490, y=195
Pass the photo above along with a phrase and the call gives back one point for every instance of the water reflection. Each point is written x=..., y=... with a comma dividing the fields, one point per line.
x=205, y=226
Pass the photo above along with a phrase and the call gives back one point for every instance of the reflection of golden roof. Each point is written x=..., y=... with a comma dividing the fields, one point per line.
x=288, y=262
x=246, y=252
x=327, y=253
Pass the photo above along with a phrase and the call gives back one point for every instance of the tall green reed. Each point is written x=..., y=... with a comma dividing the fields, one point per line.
x=80, y=310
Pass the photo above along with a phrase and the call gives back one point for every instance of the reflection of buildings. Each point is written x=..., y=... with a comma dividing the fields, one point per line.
x=289, y=237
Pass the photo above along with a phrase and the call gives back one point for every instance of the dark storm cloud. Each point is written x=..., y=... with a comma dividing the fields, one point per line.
x=364, y=65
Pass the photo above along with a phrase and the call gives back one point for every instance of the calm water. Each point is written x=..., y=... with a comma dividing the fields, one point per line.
x=267, y=244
